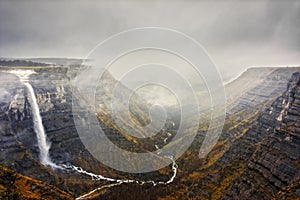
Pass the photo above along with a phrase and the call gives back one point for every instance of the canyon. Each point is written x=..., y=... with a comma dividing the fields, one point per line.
x=256, y=157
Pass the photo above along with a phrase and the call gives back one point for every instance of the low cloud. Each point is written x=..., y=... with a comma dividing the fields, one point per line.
x=237, y=34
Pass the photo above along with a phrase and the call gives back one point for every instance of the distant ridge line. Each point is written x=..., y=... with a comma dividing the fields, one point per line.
x=259, y=67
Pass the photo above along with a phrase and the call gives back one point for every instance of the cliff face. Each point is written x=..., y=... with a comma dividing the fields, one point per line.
x=18, y=141
x=17, y=138
x=257, y=88
x=250, y=94
x=257, y=155
x=19, y=150
x=273, y=169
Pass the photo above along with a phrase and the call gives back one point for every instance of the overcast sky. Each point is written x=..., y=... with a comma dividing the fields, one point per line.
x=236, y=34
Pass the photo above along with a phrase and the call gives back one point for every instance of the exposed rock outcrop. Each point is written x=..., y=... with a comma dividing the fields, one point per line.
x=257, y=88
x=257, y=156
x=273, y=170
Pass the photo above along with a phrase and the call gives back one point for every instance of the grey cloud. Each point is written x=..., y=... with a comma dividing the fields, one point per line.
x=233, y=32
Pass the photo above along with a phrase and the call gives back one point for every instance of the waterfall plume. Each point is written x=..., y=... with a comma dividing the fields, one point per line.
x=43, y=143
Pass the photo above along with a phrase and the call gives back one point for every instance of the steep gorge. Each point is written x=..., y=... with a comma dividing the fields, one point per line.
x=249, y=146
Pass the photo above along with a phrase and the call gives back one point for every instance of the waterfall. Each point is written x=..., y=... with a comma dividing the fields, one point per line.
x=43, y=144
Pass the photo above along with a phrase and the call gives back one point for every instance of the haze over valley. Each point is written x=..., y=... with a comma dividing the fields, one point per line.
x=150, y=100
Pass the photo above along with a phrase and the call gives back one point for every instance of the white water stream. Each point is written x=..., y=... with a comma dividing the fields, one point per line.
x=44, y=145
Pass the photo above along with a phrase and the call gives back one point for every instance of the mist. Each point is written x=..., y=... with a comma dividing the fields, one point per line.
x=236, y=34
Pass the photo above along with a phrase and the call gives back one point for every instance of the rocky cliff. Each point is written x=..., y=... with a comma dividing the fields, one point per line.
x=256, y=158
x=257, y=155
x=53, y=89
x=273, y=169
x=257, y=87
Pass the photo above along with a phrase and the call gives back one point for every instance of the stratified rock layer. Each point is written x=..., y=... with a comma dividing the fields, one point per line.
x=273, y=169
